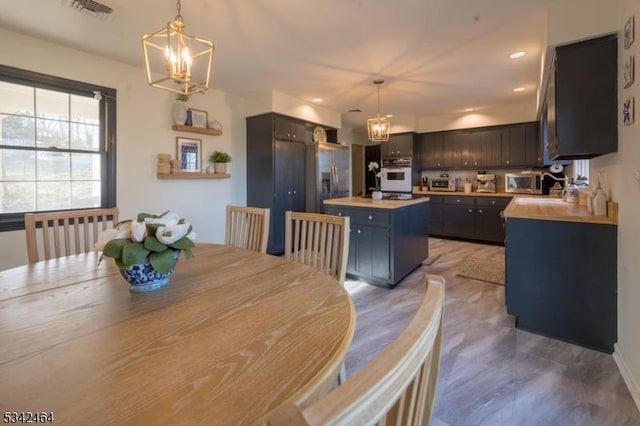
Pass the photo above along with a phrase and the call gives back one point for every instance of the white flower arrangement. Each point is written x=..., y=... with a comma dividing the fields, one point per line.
x=154, y=236
x=373, y=166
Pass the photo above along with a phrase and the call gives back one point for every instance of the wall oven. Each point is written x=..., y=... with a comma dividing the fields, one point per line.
x=396, y=174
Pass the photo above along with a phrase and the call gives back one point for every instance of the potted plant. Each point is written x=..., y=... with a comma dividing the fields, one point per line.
x=220, y=160
x=377, y=190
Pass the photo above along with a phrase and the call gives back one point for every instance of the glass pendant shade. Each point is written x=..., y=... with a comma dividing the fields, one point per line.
x=176, y=61
x=378, y=127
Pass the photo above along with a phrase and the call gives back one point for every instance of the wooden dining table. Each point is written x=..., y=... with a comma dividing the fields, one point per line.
x=234, y=335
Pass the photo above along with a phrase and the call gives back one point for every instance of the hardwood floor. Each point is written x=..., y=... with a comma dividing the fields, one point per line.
x=490, y=372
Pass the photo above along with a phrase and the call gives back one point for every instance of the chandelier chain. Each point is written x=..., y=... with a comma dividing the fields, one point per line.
x=178, y=8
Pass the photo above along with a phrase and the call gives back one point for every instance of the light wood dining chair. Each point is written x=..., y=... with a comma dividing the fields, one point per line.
x=78, y=229
x=247, y=228
x=318, y=240
x=397, y=388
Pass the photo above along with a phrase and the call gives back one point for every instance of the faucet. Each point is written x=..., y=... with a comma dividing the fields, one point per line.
x=565, y=178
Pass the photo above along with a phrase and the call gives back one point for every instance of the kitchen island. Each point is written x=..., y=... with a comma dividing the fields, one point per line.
x=561, y=271
x=389, y=238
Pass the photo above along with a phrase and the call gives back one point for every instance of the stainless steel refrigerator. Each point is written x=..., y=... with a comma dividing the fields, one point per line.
x=327, y=174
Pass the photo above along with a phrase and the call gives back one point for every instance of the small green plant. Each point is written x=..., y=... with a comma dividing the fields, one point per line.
x=219, y=157
x=182, y=97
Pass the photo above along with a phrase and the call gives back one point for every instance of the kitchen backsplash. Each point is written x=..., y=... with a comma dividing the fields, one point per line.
x=463, y=176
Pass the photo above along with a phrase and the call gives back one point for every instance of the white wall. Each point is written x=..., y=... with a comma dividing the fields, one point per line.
x=621, y=169
x=516, y=113
x=143, y=130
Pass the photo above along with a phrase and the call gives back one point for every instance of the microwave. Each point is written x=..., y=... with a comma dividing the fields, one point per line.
x=442, y=184
x=523, y=182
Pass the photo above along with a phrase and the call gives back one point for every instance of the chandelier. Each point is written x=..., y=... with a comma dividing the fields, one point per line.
x=379, y=126
x=176, y=61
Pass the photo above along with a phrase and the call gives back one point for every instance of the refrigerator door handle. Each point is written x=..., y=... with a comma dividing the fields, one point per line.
x=333, y=179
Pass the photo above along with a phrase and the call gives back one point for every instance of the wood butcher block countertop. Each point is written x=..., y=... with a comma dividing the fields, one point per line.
x=374, y=204
x=566, y=212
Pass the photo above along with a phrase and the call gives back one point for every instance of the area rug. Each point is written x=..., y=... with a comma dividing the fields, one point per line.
x=489, y=270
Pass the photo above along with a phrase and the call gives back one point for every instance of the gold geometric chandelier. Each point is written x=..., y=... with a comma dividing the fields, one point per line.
x=176, y=61
x=378, y=127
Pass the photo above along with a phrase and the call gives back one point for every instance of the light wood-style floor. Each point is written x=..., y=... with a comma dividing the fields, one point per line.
x=490, y=372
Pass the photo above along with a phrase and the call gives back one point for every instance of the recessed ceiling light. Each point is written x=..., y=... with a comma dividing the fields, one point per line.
x=519, y=89
x=469, y=109
x=389, y=115
x=516, y=55
x=355, y=110
x=317, y=100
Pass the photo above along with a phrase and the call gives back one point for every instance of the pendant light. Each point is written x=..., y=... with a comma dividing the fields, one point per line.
x=176, y=61
x=378, y=127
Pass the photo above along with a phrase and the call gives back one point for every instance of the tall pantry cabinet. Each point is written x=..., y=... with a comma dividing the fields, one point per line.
x=275, y=170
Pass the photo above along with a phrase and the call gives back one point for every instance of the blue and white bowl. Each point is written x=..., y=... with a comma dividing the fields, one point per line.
x=142, y=277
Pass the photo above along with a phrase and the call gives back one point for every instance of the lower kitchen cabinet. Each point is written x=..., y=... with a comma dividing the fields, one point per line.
x=489, y=220
x=561, y=280
x=385, y=245
x=471, y=217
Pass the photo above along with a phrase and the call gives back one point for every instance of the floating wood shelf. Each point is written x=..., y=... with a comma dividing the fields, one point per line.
x=200, y=130
x=194, y=175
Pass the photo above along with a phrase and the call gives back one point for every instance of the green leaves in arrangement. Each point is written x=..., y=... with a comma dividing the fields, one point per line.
x=160, y=238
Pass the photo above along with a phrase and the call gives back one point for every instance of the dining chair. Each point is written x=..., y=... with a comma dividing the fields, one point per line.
x=321, y=241
x=247, y=228
x=79, y=229
x=398, y=387
x=318, y=240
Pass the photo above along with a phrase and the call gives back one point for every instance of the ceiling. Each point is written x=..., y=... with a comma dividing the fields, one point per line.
x=436, y=56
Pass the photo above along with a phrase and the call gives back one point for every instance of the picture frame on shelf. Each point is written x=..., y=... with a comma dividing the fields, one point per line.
x=199, y=118
x=628, y=111
x=189, y=152
x=629, y=32
x=629, y=71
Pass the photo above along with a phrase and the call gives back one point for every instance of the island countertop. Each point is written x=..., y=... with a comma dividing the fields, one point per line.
x=375, y=204
x=560, y=211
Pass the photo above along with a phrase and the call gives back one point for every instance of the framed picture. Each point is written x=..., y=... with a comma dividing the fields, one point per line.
x=629, y=32
x=198, y=118
x=629, y=71
x=189, y=152
x=627, y=111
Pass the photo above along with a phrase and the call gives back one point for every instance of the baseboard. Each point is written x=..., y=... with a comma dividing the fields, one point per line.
x=631, y=382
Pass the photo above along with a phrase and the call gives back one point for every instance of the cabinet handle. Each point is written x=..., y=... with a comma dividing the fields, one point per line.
x=479, y=211
x=339, y=213
x=294, y=192
x=358, y=231
x=288, y=192
x=508, y=162
x=370, y=217
x=457, y=201
x=471, y=211
x=493, y=202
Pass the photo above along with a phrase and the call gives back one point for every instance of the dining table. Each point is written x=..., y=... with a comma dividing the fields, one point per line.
x=235, y=335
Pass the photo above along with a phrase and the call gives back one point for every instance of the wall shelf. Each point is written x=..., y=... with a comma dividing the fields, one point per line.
x=194, y=175
x=201, y=130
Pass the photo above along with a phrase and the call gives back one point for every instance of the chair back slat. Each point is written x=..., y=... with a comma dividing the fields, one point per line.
x=397, y=388
x=59, y=234
x=247, y=228
x=318, y=240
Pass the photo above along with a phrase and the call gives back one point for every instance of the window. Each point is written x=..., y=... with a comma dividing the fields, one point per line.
x=581, y=171
x=57, y=145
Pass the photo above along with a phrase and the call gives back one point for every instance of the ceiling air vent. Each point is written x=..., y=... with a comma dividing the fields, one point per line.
x=92, y=8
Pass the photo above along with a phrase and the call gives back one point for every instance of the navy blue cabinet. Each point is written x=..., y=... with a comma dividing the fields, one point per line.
x=561, y=280
x=385, y=245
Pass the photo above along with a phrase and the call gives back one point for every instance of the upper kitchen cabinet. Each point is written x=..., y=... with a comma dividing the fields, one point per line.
x=582, y=99
x=520, y=145
x=490, y=141
x=398, y=145
x=430, y=147
x=287, y=128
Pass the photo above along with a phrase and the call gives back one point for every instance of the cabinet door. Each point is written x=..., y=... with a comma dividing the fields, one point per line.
x=491, y=149
x=371, y=254
x=513, y=142
x=431, y=146
x=399, y=145
x=532, y=148
x=459, y=216
x=286, y=128
x=586, y=120
x=435, y=214
x=475, y=148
